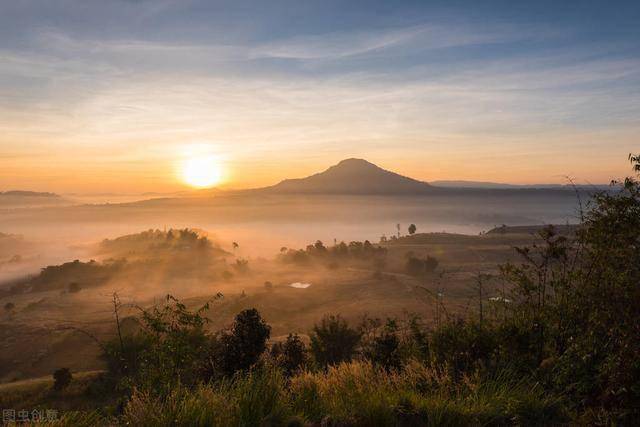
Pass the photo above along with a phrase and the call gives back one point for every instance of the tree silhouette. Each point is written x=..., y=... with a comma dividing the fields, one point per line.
x=635, y=161
x=333, y=341
x=412, y=229
x=290, y=355
x=241, y=347
x=61, y=379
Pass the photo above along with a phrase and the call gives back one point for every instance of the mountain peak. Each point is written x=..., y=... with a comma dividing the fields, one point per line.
x=354, y=162
x=353, y=176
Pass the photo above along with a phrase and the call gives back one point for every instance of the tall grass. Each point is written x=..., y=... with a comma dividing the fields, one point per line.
x=257, y=398
x=351, y=394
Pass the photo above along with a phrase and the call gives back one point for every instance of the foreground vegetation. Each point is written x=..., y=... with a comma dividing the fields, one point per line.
x=558, y=346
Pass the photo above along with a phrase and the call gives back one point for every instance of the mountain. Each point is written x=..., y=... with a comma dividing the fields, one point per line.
x=352, y=176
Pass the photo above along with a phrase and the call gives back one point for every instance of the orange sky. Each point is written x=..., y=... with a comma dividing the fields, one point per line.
x=92, y=170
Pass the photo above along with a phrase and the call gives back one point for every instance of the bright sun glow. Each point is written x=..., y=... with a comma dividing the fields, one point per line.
x=202, y=172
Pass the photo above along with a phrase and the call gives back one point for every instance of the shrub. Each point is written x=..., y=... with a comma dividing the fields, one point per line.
x=290, y=355
x=418, y=267
x=383, y=349
x=334, y=341
x=241, y=265
x=169, y=349
x=61, y=379
x=463, y=346
x=241, y=347
x=578, y=301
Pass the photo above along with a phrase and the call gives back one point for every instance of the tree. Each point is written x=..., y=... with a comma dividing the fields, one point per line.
x=430, y=264
x=417, y=267
x=412, y=229
x=240, y=348
x=635, y=162
x=241, y=265
x=61, y=379
x=290, y=355
x=414, y=266
x=383, y=349
x=333, y=341
x=9, y=306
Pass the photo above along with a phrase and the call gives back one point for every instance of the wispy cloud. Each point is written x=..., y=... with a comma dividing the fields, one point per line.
x=340, y=45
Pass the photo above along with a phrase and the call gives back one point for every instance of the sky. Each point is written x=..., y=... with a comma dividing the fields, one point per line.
x=116, y=96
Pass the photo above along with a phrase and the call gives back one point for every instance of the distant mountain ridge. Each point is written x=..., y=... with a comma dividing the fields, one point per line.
x=504, y=186
x=22, y=198
x=24, y=193
x=352, y=176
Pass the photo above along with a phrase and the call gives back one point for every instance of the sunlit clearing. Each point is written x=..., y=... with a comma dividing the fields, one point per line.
x=202, y=172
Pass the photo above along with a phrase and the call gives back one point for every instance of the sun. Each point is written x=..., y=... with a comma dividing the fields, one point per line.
x=202, y=172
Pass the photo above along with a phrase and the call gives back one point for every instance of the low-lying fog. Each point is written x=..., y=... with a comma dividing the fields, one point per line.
x=263, y=224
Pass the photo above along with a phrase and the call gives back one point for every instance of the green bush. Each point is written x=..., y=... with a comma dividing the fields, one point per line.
x=418, y=266
x=290, y=355
x=579, y=298
x=463, y=346
x=383, y=348
x=169, y=349
x=241, y=347
x=333, y=341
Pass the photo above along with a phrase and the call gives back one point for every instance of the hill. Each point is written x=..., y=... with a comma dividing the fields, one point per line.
x=28, y=193
x=565, y=229
x=20, y=198
x=352, y=176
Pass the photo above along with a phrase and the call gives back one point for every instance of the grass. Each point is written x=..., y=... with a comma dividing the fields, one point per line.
x=353, y=394
x=350, y=394
x=38, y=393
x=85, y=402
